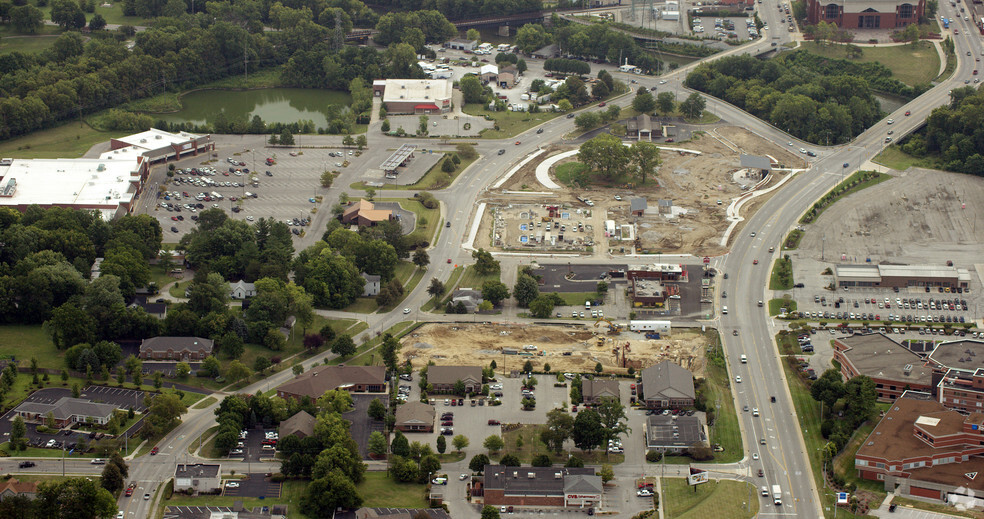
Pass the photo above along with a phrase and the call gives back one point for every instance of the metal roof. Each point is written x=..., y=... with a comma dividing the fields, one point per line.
x=398, y=157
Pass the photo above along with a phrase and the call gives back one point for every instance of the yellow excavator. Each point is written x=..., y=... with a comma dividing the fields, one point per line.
x=612, y=327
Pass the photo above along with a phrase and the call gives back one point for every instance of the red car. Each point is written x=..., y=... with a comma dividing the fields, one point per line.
x=154, y=451
x=907, y=113
x=601, y=104
x=494, y=422
x=669, y=140
x=449, y=260
x=129, y=492
x=517, y=143
x=755, y=262
x=174, y=218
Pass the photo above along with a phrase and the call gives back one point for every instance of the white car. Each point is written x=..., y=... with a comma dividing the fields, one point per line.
x=662, y=81
x=232, y=484
x=644, y=493
x=890, y=121
x=463, y=477
x=738, y=379
x=120, y=515
x=755, y=455
x=406, y=311
x=249, y=218
x=496, y=386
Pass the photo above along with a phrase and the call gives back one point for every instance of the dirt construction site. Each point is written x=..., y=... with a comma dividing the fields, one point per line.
x=699, y=187
x=574, y=349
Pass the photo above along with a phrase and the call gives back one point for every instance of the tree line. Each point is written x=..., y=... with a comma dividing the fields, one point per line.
x=953, y=134
x=597, y=41
x=465, y=9
x=816, y=99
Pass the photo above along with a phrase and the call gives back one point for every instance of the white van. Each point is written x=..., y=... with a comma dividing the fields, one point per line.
x=724, y=310
x=587, y=305
x=744, y=359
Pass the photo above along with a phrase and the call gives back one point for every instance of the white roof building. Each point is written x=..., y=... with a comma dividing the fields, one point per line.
x=417, y=96
x=108, y=186
x=159, y=145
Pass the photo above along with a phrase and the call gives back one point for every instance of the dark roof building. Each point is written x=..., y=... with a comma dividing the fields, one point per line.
x=175, y=348
x=667, y=385
x=595, y=389
x=891, y=366
x=443, y=378
x=320, y=379
x=539, y=486
x=300, y=425
x=67, y=411
x=198, y=477
x=666, y=432
x=415, y=417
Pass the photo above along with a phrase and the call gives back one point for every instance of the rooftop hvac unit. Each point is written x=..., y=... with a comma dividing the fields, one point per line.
x=531, y=475
x=403, y=86
x=401, y=96
x=142, y=141
x=427, y=96
x=158, y=137
x=907, y=369
x=427, y=87
x=558, y=475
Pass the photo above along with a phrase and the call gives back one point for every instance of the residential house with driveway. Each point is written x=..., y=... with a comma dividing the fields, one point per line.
x=415, y=417
x=320, y=379
x=593, y=390
x=176, y=348
x=13, y=488
x=667, y=386
x=443, y=378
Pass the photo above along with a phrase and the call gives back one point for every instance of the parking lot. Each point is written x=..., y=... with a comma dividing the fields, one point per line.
x=908, y=306
x=362, y=426
x=122, y=398
x=287, y=192
x=252, y=447
x=255, y=485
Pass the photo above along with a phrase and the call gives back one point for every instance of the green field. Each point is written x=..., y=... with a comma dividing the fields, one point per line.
x=776, y=281
x=379, y=491
x=428, y=220
x=893, y=157
x=472, y=279
x=510, y=123
x=776, y=304
x=718, y=499
x=28, y=44
x=572, y=173
x=910, y=64
x=65, y=141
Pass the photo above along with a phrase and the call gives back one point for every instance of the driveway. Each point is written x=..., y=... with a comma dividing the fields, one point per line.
x=361, y=425
x=255, y=485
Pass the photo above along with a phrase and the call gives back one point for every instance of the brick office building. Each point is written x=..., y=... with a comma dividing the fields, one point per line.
x=865, y=14
x=958, y=375
x=891, y=366
x=539, y=486
x=920, y=448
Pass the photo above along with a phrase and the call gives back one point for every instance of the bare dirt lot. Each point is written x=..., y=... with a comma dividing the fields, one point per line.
x=920, y=216
x=694, y=185
x=480, y=344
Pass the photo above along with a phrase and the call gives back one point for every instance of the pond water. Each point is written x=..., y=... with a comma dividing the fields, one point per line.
x=273, y=105
x=889, y=103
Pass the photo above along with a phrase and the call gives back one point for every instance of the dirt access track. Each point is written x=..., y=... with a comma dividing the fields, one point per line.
x=694, y=184
x=464, y=344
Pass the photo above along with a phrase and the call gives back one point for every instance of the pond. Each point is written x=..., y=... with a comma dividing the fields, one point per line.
x=273, y=105
x=889, y=103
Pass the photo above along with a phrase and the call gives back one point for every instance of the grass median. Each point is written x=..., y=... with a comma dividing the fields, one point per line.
x=856, y=182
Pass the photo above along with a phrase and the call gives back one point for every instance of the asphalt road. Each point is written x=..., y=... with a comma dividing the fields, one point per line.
x=782, y=458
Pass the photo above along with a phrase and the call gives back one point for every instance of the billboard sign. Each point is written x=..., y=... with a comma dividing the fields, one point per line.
x=697, y=476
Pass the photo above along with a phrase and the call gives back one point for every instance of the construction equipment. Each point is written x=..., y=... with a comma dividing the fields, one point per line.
x=612, y=327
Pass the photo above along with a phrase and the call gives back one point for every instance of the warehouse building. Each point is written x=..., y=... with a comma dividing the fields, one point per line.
x=539, y=486
x=414, y=96
x=159, y=145
x=103, y=185
x=865, y=14
x=901, y=276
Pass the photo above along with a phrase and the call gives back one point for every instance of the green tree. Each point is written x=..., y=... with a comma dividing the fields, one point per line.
x=74, y=497
x=343, y=346
x=612, y=415
x=693, y=106
x=588, y=433
x=560, y=428
x=232, y=345
x=459, y=442
x=377, y=444
x=237, y=371
x=526, y=290
x=26, y=18
x=261, y=364
x=165, y=411
x=286, y=138
x=510, y=460
x=542, y=307
x=607, y=474
x=599, y=368
x=665, y=102
x=385, y=127
x=473, y=35
x=112, y=479
x=587, y=120
x=531, y=37
x=645, y=159
x=210, y=367
x=390, y=350
x=493, y=444
x=377, y=411
x=485, y=264
x=421, y=258
x=325, y=495
x=644, y=102
x=606, y=155
x=541, y=460
x=327, y=177
x=182, y=370
x=436, y=287
x=494, y=291
x=471, y=89
x=400, y=445
x=490, y=512
x=478, y=463
x=18, y=434
x=442, y=444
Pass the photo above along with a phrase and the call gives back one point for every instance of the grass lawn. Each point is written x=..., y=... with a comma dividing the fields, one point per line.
x=893, y=157
x=432, y=180
x=509, y=124
x=922, y=505
x=28, y=44
x=205, y=403
x=777, y=281
x=290, y=495
x=532, y=446
x=572, y=173
x=178, y=289
x=364, y=355
x=733, y=499
x=379, y=491
x=362, y=305
x=25, y=341
x=910, y=64
x=428, y=220
x=207, y=442
x=158, y=276
x=576, y=298
x=65, y=141
x=776, y=304
x=472, y=279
